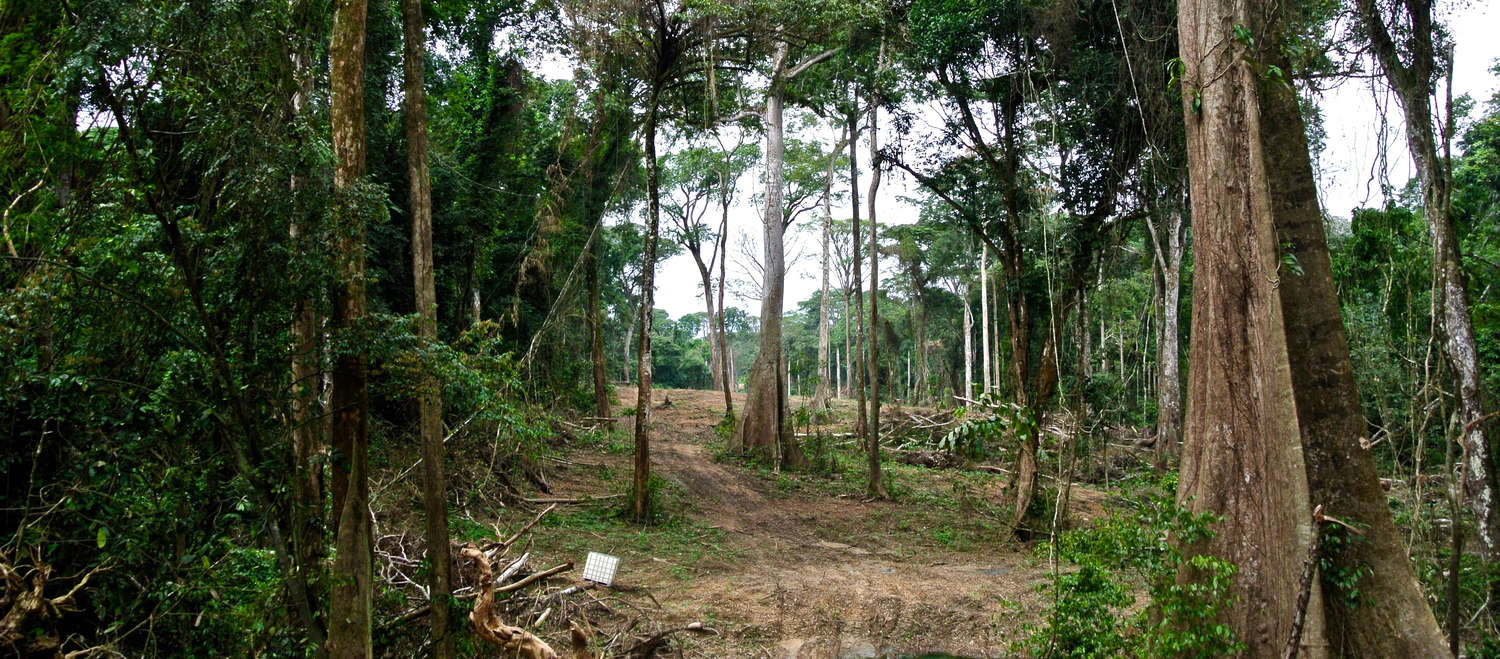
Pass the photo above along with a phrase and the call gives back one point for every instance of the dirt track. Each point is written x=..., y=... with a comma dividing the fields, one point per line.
x=810, y=574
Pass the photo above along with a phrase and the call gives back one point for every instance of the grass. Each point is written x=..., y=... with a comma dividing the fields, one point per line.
x=685, y=544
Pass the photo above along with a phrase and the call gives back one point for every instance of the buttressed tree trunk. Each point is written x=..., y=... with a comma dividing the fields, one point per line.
x=1392, y=618
x=1241, y=455
x=1413, y=81
x=763, y=428
x=352, y=586
x=430, y=402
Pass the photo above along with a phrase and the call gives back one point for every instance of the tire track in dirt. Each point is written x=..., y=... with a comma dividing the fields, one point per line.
x=793, y=591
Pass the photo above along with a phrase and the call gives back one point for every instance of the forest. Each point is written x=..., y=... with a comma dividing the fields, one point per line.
x=354, y=328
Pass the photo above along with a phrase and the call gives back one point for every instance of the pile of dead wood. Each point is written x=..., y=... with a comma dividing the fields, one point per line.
x=512, y=601
x=29, y=618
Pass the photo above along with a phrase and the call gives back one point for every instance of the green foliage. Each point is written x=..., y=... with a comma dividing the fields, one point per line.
x=1182, y=618
x=1340, y=579
x=980, y=436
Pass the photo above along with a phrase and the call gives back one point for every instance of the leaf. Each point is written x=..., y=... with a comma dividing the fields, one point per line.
x=102, y=537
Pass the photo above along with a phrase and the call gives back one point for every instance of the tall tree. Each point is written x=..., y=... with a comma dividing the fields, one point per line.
x=875, y=485
x=1410, y=33
x=430, y=399
x=1240, y=458
x=1392, y=617
x=307, y=372
x=765, y=426
x=353, y=587
x=665, y=37
x=1274, y=425
x=823, y=391
x=1168, y=372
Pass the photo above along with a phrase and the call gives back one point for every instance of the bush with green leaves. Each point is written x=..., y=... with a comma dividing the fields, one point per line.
x=1086, y=617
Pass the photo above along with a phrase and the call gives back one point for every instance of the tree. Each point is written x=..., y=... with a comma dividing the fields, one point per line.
x=353, y=589
x=875, y=486
x=1273, y=424
x=823, y=392
x=765, y=426
x=1410, y=33
x=430, y=401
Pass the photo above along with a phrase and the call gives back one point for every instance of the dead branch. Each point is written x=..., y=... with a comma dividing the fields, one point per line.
x=564, y=500
x=649, y=647
x=535, y=577
x=28, y=623
x=514, y=641
x=507, y=543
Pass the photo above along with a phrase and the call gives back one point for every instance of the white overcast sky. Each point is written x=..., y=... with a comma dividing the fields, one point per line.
x=1348, y=178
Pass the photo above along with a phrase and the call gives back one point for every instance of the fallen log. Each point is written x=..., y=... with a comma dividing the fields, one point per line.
x=932, y=459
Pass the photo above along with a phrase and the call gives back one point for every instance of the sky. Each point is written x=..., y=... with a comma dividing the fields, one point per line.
x=1349, y=174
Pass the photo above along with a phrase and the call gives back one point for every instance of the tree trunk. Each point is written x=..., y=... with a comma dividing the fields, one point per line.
x=596, y=337
x=848, y=355
x=306, y=407
x=352, y=583
x=639, y=506
x=860, y=375
x=430, y=404
x=1240, y=458
x=763, y=428
x=875, y=487
x=919, y=388
x=821, y=395
x=1168, y=374
x=1392, y=618
x=984, y=317
x=1413, y=82
x=727, y=363
x=715, y=357
x=968, y=348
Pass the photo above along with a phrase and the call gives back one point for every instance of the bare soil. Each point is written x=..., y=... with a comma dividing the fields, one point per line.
x=798, y=565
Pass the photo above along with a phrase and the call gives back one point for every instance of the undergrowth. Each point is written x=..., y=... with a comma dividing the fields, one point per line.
x=1089, y=612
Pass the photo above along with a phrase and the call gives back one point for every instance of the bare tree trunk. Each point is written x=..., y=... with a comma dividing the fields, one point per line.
x=860, y=376
x=848, y=356
x=763, y=427
x=630, y=328
x=820, y=396
x=984, y=317
x=919, y=389
x=430, y=403
x=875, y=486
x=1240, y=455
x=1168, y=374
x=1393, y=618
x=727, y=363
x=639, y=506
x=838, y=379
x=968, y=348
x=596, y=338
x=352, y=583
x=715, y=357
x=1413, y=82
